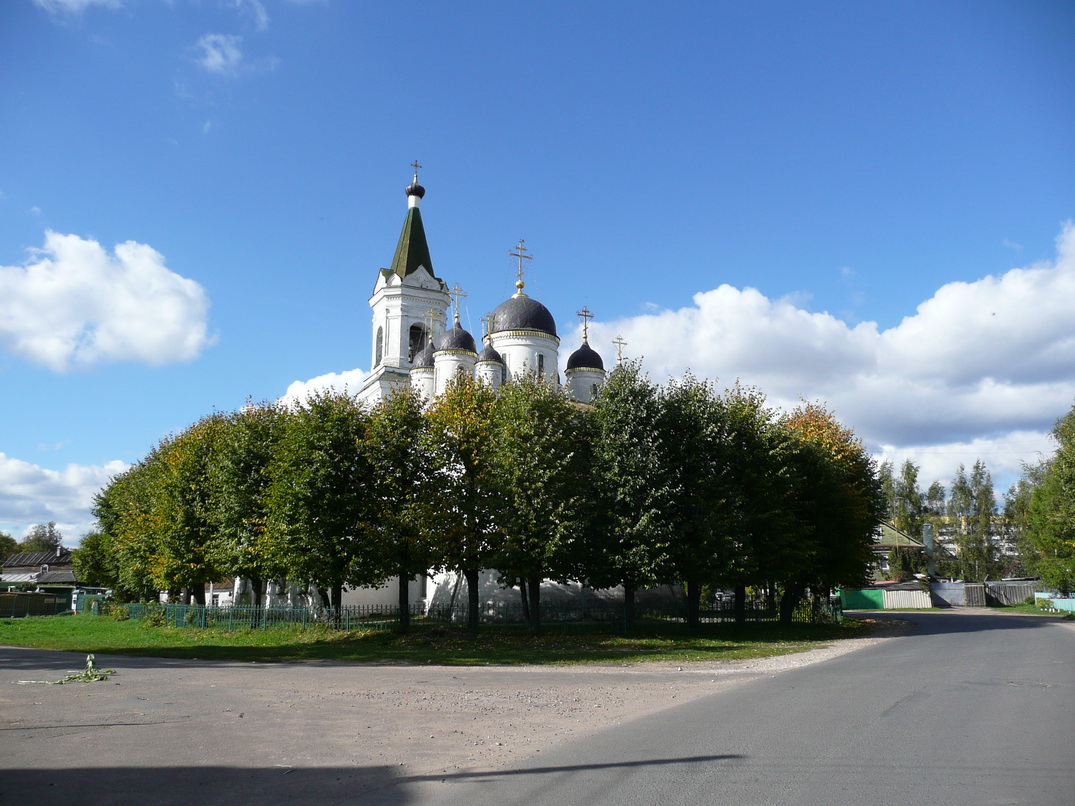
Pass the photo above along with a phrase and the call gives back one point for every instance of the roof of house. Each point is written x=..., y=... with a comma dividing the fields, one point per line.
x=888, y=536
x=60, y=556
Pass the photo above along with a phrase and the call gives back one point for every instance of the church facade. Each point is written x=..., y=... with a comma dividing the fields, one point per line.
x=414, y=345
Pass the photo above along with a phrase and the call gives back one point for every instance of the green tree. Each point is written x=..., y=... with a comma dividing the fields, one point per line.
x=238, y=479
x=320, y=507
x=1051, y=516
x=692, y=422
x=96, y=562
x=125, y=512
x=765, y=533
x=181, y=527
x=1017, y=511
x=540, y=471
x=41, y=537
x=842, y=503
x=461, y=500
x=972, y=509
x=633, y=481
x=8, y=545
x=400, y=475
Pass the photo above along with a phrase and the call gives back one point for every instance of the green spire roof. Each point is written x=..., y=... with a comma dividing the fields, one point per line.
x=412, y=250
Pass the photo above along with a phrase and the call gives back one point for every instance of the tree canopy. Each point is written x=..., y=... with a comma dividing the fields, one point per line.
x=650, y=485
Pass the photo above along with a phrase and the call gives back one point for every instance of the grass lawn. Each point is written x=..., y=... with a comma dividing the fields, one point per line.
x=425, y=644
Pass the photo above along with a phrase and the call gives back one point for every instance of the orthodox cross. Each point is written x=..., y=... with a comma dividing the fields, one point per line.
x=431, y=317
x=585, y=316
x=456, y=293
x=521, y=255
x=620, y=344
x=416, y=167
x=489, y=321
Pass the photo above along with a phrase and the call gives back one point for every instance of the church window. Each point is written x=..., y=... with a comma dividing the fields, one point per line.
x=541, y=366
x=380, y=347
x=417, y=341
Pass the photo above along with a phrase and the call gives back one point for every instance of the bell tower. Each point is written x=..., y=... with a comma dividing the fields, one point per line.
x=409, y=304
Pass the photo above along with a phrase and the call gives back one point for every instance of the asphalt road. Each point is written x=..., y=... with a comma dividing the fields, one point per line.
x=967, y=709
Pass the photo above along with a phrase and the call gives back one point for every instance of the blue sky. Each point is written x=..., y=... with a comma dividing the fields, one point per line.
x=866, y=204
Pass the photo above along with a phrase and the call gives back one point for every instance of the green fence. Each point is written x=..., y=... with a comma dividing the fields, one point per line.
x=383, y=617
x=863, y=598
x=20, y=605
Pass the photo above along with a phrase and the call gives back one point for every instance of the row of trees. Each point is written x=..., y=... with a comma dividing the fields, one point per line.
x=964, y=516
x=651, y=485
x=1042, y=505
x=1031, y=533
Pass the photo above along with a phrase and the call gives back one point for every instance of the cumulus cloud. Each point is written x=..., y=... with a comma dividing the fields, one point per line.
x=220, y=53
x=348, y=382
x=32, y=494
x=978, y=366
x=75, y=305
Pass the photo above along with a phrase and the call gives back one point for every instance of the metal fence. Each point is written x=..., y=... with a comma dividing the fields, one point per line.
x=606, y=616
x=20, y=605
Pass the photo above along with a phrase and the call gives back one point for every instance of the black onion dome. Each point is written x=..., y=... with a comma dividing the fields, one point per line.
x=424, y=359
x=523, y=313
x=458, y=339
x=414, y=189
x=489, y=354
x=585, y=358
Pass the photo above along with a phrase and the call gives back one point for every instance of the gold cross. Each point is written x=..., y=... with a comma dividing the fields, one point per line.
x=585, y=316
x=416, y=167
x=489, y=321
x=620, y=344
x=456, y=293
x=521, y=255
x=432, y=315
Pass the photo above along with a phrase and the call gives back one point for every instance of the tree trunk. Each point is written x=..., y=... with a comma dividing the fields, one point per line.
x=404, y=603
x=740, y=604
x=199, y=595
x=473, y=615
x=628, y=609
x=534, y=584
x=526, y=600
x=325, y=601
x=257, y=591
x=793, y=594
x=337, y=601
x=694, y=600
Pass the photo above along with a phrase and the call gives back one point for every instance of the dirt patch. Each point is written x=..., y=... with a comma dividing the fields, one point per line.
x=293, y=715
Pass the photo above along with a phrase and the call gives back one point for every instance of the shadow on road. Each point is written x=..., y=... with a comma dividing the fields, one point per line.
x=492, y=774
x=961, y=620
x=205, y=786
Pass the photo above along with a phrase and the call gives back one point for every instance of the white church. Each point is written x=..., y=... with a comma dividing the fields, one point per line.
x=412, y=344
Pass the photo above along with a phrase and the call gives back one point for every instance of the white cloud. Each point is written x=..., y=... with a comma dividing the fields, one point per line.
x=348, y=382
x=220, y=53
x=73, y=7
x=979, y=365
x=32, y=494
x=74, y=305
x=255, y=11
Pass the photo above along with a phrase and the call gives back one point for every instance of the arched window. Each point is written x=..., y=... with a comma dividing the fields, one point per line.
x=417, y=341
x=380, y=347
x=541, y=365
